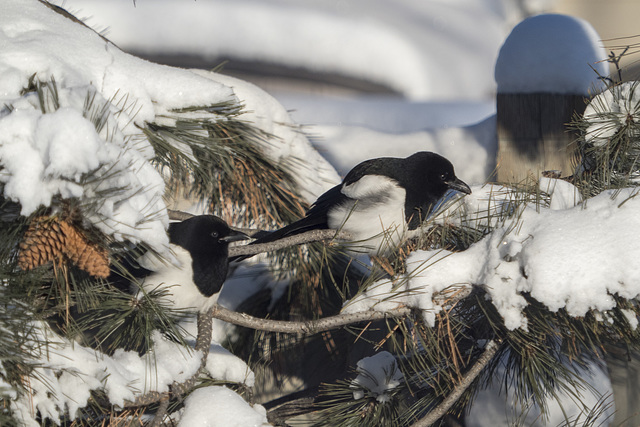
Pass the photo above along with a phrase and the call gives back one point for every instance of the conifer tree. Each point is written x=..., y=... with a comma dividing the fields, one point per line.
x=65, y=325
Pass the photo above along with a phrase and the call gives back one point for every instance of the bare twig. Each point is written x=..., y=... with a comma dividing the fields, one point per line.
x=490, y=350
x=308, y=327
x=304, y=327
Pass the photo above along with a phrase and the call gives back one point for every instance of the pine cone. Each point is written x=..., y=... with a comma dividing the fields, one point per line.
x=43, y=242
x=52, y=239
x=85, y=255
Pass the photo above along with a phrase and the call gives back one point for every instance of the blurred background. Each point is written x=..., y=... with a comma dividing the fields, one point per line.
x=355, y=70
x=341, y=47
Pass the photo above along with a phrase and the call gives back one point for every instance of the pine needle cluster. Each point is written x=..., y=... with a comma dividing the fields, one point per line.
x=538, y=363
x=215, y=157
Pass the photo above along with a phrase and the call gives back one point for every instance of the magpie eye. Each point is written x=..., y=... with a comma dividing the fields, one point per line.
x=443, y=177
x=214, y=234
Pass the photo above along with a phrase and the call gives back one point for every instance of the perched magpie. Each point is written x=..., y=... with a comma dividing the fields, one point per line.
x=201, y=247
x=381, y=201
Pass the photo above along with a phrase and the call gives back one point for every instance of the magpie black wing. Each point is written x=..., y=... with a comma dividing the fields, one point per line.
x=315, y=218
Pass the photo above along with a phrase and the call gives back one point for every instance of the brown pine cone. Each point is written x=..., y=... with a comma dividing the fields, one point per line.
x=52, y=239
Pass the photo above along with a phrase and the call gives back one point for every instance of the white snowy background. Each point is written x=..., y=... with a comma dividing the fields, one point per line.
x=439, y=56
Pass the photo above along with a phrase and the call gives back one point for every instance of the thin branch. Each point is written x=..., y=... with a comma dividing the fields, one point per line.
x=490, y=350
x=310, y=327
x=304, y=327
x=203, y=344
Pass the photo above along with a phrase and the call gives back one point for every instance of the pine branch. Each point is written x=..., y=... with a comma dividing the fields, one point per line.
x=294, y=408
x=490, y=350
x=203, y=340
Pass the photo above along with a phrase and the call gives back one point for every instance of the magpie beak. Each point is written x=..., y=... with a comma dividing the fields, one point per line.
x=234, y=236
x=458, y=185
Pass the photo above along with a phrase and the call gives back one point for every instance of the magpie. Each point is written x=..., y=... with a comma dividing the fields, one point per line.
x=201, y=248
x=381, y=201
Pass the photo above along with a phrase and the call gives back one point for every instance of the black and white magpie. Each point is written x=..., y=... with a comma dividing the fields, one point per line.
x=381, y=201
x=201, y=248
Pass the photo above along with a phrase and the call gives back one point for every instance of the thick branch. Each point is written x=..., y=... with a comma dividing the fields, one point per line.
x=489, y=351
x=304, y=327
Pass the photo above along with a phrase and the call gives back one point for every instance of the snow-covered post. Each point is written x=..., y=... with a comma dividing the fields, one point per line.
x=546, y=68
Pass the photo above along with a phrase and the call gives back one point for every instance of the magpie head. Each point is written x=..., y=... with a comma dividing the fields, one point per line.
x=436, y=173
x=206, y=238
x=428, y=177
x=204, y=234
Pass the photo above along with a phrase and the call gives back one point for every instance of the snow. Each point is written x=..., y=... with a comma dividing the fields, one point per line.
x=220, y=407
x=551, y=53
x=66, y=373
x=618, y=105
x=223, y=365
x=523, y=256
x=587, y=247
x=377, y=376
x=391, y=43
